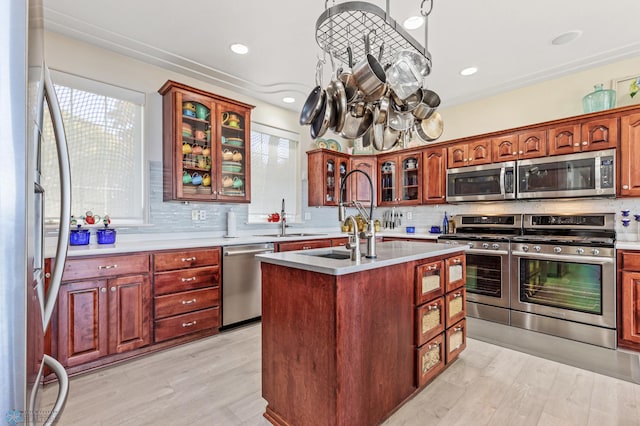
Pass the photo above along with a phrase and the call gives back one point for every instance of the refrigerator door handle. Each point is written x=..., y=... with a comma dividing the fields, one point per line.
x=65, y=198
x=63, y=383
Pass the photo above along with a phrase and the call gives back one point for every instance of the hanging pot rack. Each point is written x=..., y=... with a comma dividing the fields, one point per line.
x=346, y=24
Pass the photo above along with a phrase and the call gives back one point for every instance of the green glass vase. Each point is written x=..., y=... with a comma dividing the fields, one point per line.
x=599, y=100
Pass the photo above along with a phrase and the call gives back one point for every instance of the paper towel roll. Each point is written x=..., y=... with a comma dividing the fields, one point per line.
x=231, y=223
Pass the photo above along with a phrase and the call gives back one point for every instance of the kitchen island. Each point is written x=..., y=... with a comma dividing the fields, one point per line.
x=347, y=342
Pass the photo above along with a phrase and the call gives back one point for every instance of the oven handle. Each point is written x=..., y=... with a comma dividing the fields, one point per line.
x=581, y=259
x=495, y=252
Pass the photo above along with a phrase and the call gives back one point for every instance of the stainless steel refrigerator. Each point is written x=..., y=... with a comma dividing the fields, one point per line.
x=26, y=307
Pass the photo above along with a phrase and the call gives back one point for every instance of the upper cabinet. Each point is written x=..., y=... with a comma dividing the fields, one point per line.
x=326, y=170
x=400, y=179
x=629, y=153
x=206, y=146
x=360, y=188
x=519, y=146
x=588, y=135
x=471, y=153
x=434, y=175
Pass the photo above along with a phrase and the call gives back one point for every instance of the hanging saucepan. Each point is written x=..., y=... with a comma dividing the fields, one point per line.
x=430, y=102
x=408, y=104
x=339, y=97
x=400, y=120
x=323, y=119
x=357, y=120
x=311, y=106
x=370, y=78
x=383, y=110
x=429, y=129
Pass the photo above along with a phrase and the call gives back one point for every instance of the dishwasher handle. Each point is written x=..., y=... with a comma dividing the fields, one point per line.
x=238, y=252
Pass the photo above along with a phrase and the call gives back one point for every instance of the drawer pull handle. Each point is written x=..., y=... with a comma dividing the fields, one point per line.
x=433, y=307
x=186, y=280
x=189, y=259
x=306, y=247
x=431, y=268
x=457, y=329
x=457, y=261
x=189, y=324
x=434, y=346
x=188, y=302
x=107, y=267
x=459, y=294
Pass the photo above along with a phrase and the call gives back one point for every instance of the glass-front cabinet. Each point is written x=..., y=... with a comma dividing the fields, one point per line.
x=399, y=179
x=327, y=169
x=206, y=148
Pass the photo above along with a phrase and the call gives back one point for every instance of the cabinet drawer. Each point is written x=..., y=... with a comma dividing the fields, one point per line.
x=455, y=306
x=339, y=242
x=177, y=281
x=105, y=266
x=429, y=282
x=456, y=267
x=180, y=325
x=304, y=245
x=430, y=360
x=630, y=261
x=186, y=259
x=456, y=340
x=187, y=301
x=429, y=320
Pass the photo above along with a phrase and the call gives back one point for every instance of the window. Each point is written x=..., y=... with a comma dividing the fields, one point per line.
x=274, y=173
x=103, y=125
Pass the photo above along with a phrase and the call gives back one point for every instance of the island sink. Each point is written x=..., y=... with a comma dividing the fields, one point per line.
x=341, y=255
x=301, y=234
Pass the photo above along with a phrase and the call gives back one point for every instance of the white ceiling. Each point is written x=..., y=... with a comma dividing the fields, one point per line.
x=508, y=40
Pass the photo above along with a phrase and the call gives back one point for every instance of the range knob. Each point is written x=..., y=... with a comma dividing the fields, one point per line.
x=537, y=248
x=525, y=248
x=595, y=252
x=495, y=246
x=485, y=245
x=470, y=244
x=557, y=249
x=580, y=250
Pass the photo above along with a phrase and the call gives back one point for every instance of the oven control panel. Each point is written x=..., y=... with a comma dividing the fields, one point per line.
x=562, y=250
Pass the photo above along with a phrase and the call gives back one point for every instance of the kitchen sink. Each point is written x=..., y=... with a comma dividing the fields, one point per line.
x=340, y=255
x=301, y=234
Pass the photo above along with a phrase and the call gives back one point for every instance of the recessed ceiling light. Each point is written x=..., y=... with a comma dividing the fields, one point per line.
x=567, y=37
x=413, y=22
x=238, y=48
x=469, y=71
x=288, y=100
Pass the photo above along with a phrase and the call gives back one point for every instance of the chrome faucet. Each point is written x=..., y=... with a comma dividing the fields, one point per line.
x=370, y=233
x=354, y=240
x=283, y=220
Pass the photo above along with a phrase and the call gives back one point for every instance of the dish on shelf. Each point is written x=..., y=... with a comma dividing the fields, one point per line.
x=232, y=141
x=231, y=166
x=321, y=143
x=333, y=145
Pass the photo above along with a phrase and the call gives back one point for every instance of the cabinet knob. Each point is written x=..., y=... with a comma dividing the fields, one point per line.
x=520, y=152
x=47, y=275
x=625, y=186
x=113, y=289
x=576, y=144
x=584, y=143
x=103, y=290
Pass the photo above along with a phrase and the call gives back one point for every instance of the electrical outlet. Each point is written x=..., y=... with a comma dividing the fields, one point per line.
x=203, y=214
x=409, y=215
x=307, y=215
x=194, y=214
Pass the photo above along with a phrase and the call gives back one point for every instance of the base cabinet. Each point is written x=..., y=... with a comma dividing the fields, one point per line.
x=629, y=299
x=103, y=313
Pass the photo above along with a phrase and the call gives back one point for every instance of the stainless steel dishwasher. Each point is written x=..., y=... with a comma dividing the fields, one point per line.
x=241, y=282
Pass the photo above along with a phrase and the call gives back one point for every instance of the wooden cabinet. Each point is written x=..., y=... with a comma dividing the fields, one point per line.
x=187, y=292
x=326, y=170
x=439, y=315
x=360, y=188
x=206, y=146
x=629, y=299
x=434, y=176
x=587, y=135
x=520, y=145
x=471, y=153
x=104, y=308
x=303, y=245
x=400, y=179
x=629, y=172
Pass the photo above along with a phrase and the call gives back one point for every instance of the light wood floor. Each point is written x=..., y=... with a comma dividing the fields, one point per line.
x=216, y=381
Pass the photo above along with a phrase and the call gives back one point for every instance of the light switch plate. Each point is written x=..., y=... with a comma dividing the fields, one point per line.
x=307, y=215
x=203, y=214
x=195, y=214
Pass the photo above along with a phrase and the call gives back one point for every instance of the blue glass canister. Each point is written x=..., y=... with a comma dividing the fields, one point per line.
x=599, y=100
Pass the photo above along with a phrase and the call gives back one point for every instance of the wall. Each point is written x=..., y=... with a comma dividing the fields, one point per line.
x=537, y=103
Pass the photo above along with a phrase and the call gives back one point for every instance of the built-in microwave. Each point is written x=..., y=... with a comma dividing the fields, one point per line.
x=586, y=174
x=482, y=183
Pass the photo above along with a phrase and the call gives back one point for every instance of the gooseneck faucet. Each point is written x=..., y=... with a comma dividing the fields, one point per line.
x=370, y=233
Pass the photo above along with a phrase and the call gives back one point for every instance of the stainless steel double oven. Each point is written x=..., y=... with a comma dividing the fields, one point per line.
x=545, y=272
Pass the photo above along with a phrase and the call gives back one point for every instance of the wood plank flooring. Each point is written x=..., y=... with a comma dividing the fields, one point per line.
x=216, y=381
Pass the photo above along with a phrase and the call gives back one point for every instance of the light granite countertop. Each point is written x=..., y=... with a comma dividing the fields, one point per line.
x=388, y=253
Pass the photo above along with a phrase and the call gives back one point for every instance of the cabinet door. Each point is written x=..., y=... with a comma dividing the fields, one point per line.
x=532, y=144
x=430, y=360
x=629, y=154
x=564, y=139
x=304, y=245
x=630, y=307
x=387, y=181
x=429, y=281
x=455, y=306
x=599, y=133
x=129, y=313
x=456, y=340
x=505, y=148
x=360, y=188
x=456, y=272
x=430, y=320
x=434, y=176
x=479, y=152
x=410, y=178
x=233, y=169
x=457, y=155
x=82, y=322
